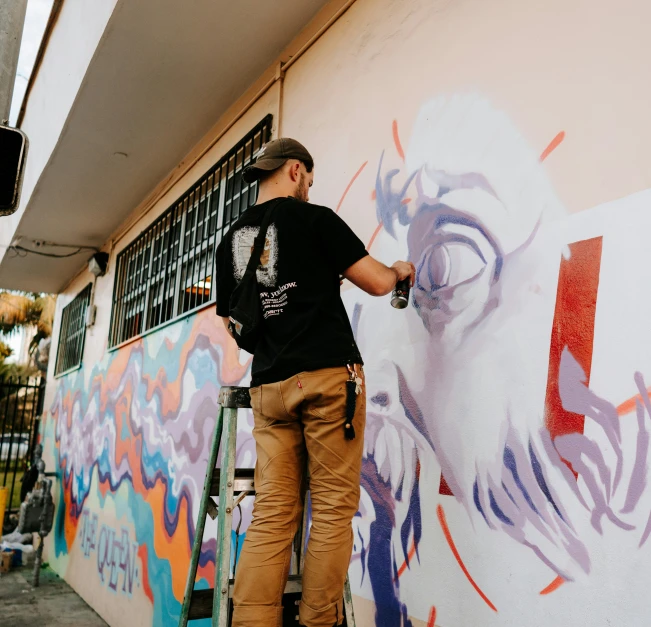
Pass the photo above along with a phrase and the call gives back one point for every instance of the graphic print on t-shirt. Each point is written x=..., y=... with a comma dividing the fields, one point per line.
x=243, y=246
x=274, y=303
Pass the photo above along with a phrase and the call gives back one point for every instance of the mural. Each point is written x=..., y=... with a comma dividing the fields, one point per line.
x=485, y=383
x=136, y=432
x=506, y=473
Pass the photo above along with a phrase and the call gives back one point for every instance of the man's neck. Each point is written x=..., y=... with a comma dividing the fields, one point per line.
x=270, y=192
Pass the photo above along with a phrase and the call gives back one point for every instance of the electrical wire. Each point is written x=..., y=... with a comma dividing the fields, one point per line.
x=20, y=249
x=55, y=245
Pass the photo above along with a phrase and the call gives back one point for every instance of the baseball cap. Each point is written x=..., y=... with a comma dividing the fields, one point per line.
x=274, y=154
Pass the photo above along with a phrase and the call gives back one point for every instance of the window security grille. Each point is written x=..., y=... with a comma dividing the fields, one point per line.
x=168, y=270
x=73, y=332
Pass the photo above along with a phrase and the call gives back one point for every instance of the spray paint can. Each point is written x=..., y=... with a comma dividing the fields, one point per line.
x=400, y=294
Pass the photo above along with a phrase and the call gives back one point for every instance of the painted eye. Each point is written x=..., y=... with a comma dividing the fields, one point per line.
x=448, y=264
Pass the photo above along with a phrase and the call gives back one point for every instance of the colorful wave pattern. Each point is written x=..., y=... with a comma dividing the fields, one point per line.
x=143, y=419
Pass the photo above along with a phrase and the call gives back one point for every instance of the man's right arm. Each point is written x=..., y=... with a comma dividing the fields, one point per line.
x=350, y=258
x=375, y=278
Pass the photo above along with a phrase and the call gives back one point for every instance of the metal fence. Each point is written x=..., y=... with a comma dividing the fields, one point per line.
x=21, y=407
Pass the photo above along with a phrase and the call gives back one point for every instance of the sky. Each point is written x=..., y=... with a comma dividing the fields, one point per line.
x=13, y=341
x=38, y=12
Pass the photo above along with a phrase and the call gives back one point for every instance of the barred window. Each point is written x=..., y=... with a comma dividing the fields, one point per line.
x=73, y=332
x=168, y=270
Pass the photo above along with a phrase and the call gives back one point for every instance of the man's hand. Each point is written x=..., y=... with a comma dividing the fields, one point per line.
x=404, y=270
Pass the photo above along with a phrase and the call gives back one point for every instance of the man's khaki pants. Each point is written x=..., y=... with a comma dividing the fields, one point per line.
x=301, y=420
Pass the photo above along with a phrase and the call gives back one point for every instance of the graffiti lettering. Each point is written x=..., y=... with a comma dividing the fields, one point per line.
x=116, y=554
x=88, y=532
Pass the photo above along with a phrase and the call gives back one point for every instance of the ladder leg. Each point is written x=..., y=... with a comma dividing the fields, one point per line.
x=348, y=604
x=201, y=521
x=225, y=524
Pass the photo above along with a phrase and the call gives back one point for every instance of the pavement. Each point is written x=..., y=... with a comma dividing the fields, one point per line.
x=53, y=604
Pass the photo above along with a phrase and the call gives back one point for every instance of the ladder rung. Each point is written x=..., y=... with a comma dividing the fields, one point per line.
x=243, y=481
x=201, y=603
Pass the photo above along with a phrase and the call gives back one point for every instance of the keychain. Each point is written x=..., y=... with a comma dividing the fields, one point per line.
x=354, y=376
x=353, y=390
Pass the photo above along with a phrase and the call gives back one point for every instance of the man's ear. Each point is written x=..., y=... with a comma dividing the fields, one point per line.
x=294, y=171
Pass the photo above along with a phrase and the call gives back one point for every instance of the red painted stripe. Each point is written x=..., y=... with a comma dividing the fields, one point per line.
x=554, y=585
x=444, y=488
x=573, y=327
x=349, y=186
x=375, y=234
x=142, y=554
x=396, y=140
x=448, y=536
x=403, y=568
x=629, y=405
x=552, y=145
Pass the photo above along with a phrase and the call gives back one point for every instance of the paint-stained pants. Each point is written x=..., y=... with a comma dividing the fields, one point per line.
x=300, y=420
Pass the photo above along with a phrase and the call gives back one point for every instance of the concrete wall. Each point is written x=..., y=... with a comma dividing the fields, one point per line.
x=504, y=148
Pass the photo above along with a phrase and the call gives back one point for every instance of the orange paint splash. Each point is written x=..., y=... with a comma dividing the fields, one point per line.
x=142, y=554
x=552, y=145
x=629, y=405
x=175, y=548
x=448, y=536
x=349, y=186
x=396, y=140
x=375, y=234
x=403, y=568
x=554, y=585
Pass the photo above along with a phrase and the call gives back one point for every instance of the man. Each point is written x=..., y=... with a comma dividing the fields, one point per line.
x=299, y=394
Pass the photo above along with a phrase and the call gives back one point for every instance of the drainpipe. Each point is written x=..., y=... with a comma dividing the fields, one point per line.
x=280, y=79
x=12, y=21
x=45, y=40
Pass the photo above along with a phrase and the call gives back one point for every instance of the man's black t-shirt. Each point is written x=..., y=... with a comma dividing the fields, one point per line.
x=305, y=323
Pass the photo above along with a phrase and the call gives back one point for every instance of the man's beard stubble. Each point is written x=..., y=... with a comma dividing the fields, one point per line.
x=302, y=189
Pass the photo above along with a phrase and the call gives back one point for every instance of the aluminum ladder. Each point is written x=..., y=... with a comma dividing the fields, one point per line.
x=231, y=485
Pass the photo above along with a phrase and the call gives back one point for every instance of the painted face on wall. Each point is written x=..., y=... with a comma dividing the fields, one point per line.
x=479, y=213
x=479, y=219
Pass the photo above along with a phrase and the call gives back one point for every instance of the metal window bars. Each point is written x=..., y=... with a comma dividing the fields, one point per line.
x=168, y=270
x=73, y=332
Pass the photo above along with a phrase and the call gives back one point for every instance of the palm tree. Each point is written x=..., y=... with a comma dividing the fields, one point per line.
x=27, y=310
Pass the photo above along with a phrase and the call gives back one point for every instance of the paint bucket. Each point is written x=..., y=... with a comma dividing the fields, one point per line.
x=4, y=496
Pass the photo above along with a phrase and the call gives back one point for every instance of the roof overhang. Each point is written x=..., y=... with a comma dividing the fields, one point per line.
x=162, y=74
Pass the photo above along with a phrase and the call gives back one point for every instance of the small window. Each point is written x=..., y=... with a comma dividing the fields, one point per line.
x=168, y=270
x=73, y=332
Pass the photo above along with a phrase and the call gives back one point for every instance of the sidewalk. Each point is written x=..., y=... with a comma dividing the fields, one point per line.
x=53, y=603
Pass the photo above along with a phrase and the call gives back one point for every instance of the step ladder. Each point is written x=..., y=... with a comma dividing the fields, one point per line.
x=232, y=485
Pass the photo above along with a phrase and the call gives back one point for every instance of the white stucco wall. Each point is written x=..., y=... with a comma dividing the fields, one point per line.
x=524, y=127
